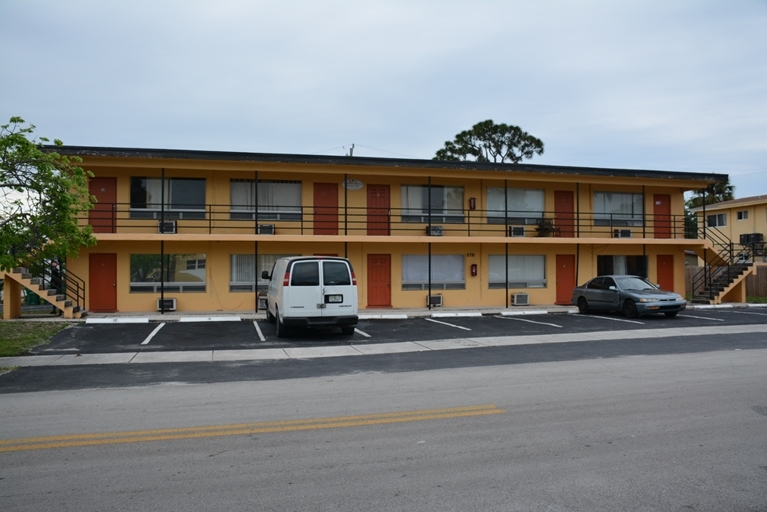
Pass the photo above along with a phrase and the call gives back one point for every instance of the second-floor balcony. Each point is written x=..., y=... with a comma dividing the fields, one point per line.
x=361, y=221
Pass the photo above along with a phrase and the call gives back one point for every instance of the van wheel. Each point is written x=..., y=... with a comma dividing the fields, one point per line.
x=348, y=331
x=269, y=315
x=282, y=331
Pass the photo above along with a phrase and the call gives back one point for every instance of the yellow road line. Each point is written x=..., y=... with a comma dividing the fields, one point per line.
x=141, y=436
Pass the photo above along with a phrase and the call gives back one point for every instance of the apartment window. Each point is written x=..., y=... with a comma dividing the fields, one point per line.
x=622, y=265
x=445, y=203
x=245, y=277
x=447, y=272
x=180, y=198
x=276, y=200
x=618, y=209
x=743, y=215
x=525, y=271
x=195, y=264
x=179, y=272
x=514, y=205
x=717, y=220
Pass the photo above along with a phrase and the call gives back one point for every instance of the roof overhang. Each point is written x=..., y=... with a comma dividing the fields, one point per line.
x=161, y=157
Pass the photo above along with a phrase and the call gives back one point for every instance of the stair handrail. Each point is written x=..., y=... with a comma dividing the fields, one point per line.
x=52, y=274
x=725, y=250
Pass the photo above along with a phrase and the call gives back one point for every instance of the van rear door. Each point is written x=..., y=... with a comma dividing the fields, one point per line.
x=303, y=298
x=339, y=294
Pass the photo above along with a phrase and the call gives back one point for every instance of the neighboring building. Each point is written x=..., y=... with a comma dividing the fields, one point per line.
x=201, y=226
x=744, y=221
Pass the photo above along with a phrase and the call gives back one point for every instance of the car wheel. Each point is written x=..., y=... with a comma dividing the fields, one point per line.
x=630, y=309
x=348, y=331
x=281, y=329
x=671, y=314
x=583, y=305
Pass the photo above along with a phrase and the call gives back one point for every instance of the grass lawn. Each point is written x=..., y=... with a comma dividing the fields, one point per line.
x=18, y=336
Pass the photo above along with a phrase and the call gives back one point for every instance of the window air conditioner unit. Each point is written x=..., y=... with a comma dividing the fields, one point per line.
x=434, y=230
x=622, y=233
x=166, y=304
x=516, y=230
x=262, y=305
x=434, y=301
x=168, y=226
x=266, y=229
x=520, y=299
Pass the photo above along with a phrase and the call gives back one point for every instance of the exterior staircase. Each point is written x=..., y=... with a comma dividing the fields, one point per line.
x=725, y=269
x=722, y=279
x=70, y=300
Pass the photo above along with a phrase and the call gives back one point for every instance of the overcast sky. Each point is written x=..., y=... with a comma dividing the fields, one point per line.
x=676, y=85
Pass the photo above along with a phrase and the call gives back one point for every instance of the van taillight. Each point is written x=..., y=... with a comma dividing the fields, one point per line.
x=354, y=279
x=286, y=279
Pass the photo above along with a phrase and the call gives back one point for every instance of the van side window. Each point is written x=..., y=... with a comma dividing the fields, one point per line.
x=305, y=273
x=335, y=273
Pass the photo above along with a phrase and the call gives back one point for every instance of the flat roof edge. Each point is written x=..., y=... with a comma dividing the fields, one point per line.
x=235, y=156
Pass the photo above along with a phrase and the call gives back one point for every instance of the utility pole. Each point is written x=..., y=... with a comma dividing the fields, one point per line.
x=351, y=151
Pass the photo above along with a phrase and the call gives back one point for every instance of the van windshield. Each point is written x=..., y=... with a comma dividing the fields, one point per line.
x=335, y=273
x=305, y=273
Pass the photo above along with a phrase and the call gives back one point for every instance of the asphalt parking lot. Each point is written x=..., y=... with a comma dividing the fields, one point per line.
x=87, y=338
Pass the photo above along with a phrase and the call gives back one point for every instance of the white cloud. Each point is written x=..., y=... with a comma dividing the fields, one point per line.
x=653, y=84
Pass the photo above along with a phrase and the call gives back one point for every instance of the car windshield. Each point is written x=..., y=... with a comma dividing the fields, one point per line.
x=633, y=283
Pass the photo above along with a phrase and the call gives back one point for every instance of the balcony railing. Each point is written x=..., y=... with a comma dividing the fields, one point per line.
x=226, y=219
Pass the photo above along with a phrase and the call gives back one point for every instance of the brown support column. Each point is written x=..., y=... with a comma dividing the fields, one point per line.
x=12, y=298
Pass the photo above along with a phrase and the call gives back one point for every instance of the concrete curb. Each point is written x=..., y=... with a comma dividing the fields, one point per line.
x=127, y=318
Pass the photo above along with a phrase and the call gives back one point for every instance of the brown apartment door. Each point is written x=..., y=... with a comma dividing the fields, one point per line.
x=325, y=209
x=102, y=273
x=565, y=278
x=379, y=280
x=102, y=217
x=662, y=215
x=564, y=216
x=378, y=210
x=666, y=271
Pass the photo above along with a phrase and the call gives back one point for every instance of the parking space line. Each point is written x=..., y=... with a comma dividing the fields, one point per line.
x=702, y=318
x=526, y=320
x=749, y=313
x=617, y=319
x=361, y=332
x=156, y=330
x=449, y=325
x=258, y=330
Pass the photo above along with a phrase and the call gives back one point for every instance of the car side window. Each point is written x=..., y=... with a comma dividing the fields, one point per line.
x=595, y=284
x=305, y=273
x=608, y=282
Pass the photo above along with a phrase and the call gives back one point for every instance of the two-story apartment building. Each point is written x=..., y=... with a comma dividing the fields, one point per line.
x=200, y=226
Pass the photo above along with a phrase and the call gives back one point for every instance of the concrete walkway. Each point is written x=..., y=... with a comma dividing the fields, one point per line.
x=360, y=348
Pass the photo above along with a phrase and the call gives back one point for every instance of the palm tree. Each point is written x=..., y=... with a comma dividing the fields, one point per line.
x=715, y=193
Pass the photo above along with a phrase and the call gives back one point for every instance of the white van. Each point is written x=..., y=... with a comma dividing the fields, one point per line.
x=312, y=291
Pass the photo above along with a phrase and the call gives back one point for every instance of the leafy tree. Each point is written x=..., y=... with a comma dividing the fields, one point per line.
x=490, y=142
x=42, y=194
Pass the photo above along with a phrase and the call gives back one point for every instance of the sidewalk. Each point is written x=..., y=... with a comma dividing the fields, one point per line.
x=364, y=314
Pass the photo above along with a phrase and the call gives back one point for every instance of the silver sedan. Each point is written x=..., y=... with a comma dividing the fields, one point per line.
x=633, y=295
